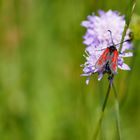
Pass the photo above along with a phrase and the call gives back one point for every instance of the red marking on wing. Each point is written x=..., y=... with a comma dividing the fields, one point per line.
x=102, y=60
x=113, y=62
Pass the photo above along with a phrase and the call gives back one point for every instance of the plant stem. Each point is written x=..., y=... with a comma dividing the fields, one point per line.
x=102, y=112
x=129, y=76
x=117, y=112
x=101, y=91
x=128, y=20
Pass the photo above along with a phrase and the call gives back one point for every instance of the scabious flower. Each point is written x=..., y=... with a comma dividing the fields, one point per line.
x=97, y=38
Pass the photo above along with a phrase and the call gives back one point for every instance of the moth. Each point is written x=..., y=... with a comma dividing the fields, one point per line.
x=109, y=58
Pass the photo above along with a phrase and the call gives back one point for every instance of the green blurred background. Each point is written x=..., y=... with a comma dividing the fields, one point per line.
x=42, y=96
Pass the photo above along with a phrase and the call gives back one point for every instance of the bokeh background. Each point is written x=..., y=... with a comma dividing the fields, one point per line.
x=42, y=96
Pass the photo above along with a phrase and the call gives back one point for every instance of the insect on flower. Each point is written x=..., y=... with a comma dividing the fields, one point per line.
x=102, y=40
x=107, y=62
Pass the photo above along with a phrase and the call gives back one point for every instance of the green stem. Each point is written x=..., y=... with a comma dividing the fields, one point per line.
x=102, y=132
x=117, y=112
x=102, y=113
x=129, y=76
x=106, y=98
x=128, y=20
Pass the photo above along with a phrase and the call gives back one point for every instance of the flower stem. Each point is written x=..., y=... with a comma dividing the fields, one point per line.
x=106, y=98
x=117, y=112
x=102, y=112
x=128, y=20
x=129, y=76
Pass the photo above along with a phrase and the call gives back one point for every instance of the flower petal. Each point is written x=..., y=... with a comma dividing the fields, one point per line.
x=100, y=76
x=101, y=12
x=85, y=23
x=87, y=80
x=124, y=67
x=85, y=74
x=88, y=41
x=128, y=54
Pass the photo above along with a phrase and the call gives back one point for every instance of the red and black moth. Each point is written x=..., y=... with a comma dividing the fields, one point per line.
x=108, y=61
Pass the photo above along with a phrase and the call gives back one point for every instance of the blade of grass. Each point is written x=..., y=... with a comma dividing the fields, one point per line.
x=103, y=134
x=102, y=112
x=117, y=112
x=128, y=19
x=129, y=76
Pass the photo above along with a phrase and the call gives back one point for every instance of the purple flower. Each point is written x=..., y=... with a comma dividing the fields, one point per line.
x=97, y=38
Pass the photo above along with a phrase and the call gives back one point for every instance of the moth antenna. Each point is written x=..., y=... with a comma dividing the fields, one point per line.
x=122, y=42
x=111, y=37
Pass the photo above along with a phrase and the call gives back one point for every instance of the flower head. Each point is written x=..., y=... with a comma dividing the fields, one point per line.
x=97, y=39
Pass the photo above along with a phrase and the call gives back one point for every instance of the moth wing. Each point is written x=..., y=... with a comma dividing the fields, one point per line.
x=113, y=62
x=102, y=59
